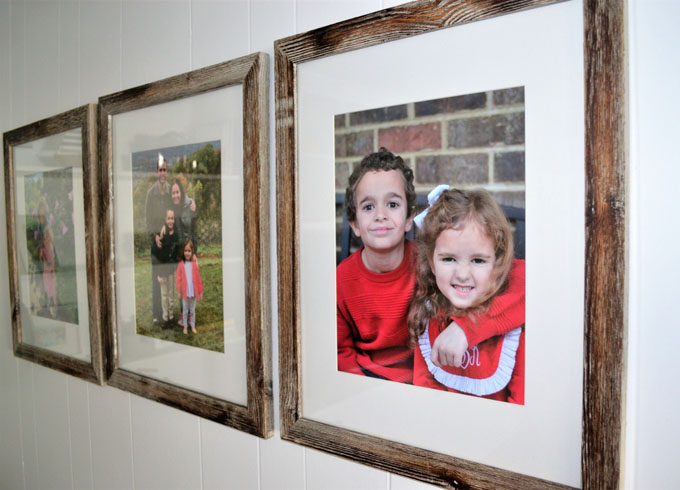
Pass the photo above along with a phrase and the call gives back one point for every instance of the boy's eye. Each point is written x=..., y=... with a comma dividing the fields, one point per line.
x=393, y=204
x=367, y=207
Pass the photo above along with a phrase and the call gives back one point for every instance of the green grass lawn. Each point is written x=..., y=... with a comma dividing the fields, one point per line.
x=209, y=311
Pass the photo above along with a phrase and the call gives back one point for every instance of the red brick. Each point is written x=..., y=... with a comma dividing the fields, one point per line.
x=384, y=114
x=411, y=138
x=454, y=170
x=339, y=121
x=509, y=167
x=353, y=144
x=451, y=104
x=341, y=175
x=507, y=96
x=509, y=198
x=486, y=131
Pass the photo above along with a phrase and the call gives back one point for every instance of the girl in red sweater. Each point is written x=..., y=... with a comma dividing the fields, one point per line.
x=466, y=273
x=189, y=285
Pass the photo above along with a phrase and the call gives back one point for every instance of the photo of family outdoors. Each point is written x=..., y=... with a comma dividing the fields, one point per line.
x=178, y=244
x=431, y=279
x=50, y=243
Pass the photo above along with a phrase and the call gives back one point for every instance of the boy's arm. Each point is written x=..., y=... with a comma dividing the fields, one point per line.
x=505, y=313
x=347, y=353
x=155, y=246
x=449, y=346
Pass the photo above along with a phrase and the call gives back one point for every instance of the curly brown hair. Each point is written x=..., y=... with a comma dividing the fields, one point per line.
x=385, y=160
x=453, y=210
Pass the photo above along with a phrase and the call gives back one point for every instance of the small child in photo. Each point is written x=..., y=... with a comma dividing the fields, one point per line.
x=467, y=274
x=189, y=284
x=375, y=283
x=166, y=255
x=47, y=297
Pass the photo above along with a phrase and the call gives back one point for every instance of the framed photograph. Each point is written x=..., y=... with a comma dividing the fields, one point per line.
x=51, y=200
x=374, y=114
x=185, y=179
x=483, y=151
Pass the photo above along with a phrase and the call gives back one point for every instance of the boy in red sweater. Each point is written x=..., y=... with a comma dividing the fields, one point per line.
x=375, y=283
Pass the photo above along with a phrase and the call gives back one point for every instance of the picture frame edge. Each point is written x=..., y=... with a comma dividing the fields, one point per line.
x=259, y=412
x=599, y=444
x=78, y=117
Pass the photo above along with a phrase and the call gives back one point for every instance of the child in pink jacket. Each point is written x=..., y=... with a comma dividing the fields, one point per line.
x=189, y=285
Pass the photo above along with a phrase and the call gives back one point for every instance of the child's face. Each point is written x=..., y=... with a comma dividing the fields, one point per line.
x=170, y=219
x=381, y=210
x=463, y=263
x=188, y=252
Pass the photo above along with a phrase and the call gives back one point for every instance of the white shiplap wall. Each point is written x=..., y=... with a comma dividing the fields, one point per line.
x=59, y=432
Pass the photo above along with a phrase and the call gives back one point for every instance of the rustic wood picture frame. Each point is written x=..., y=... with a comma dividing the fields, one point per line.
x=605, y=257
x=85, y=118
x=252, y=73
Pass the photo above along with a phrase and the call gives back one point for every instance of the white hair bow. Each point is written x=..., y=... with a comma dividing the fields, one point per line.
x=431, y=199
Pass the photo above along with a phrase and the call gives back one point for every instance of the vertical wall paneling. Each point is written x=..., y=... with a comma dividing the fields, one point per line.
x=53, y=444
x=42, y=72
x=111, y=438
x=100, y=49
x=10, y=429
x=229, y=457
x=323, y=471
x=5, y=63
x=276, y=454
x=69, y=49
x=219, y=31
x=655, y=101
x=29, y=449
x=163, y=437
x=17, y=63
x=80, y=434
x=155, y=41
x=311, y=14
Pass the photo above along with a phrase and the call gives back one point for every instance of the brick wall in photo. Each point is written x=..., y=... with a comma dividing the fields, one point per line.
x=467, y=141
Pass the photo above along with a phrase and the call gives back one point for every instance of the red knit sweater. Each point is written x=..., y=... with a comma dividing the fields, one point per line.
x=372, y=310
x=495, y=367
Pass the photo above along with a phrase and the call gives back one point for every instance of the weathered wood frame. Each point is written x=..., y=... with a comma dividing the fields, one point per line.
x=85, y=118
x=605, y=162
x=252, y=72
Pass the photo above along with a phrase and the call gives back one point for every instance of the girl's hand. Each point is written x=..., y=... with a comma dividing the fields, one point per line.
x=163, y=231
x=199, y=297
x=449, y=347
x=161, y=280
